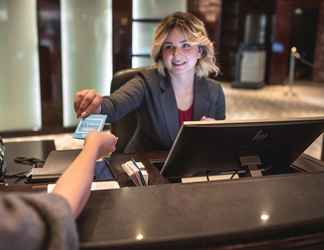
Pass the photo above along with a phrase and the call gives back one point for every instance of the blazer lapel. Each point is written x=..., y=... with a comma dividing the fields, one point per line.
x=201, y=99
x=169, y=107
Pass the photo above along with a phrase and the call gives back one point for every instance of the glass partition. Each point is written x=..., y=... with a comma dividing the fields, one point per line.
x=146, y=16
x=20, y=105
x=86, y=50
x=154, y=9
x=138, y=61
x=142, y=43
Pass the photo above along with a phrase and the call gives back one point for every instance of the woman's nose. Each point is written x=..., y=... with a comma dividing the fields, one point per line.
x=176, y=51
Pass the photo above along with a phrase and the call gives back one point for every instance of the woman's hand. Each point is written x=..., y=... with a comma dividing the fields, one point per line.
x=86, y=102
x=205, y=118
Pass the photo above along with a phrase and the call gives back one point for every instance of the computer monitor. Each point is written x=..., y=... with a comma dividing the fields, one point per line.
x=218, y=147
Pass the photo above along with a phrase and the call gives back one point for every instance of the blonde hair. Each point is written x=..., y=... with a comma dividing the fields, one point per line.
x=195, y=32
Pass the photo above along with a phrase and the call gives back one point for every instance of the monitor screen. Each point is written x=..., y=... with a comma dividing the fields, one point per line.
x=218, y=147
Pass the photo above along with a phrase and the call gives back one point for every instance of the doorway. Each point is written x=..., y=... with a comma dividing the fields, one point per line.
x=304, y=29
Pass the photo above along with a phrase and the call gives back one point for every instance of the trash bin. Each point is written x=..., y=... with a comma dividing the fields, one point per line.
x=250, y=67
x=250, y=61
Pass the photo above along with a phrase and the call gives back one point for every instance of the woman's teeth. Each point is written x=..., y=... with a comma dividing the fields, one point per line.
x=178, y=63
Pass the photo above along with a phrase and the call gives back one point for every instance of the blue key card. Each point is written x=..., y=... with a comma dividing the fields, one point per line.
x=90, y=123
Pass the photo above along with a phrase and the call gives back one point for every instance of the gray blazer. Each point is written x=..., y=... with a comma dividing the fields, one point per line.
x=153, y=97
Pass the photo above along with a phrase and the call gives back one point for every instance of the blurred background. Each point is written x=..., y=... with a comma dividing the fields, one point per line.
x=49, y=49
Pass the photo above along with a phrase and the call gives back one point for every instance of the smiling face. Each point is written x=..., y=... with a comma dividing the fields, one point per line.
x=179, y=55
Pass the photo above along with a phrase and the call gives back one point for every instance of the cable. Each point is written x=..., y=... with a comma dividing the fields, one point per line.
x=207, y=175
x=29, y=161
x=35, y=162
x=232, y=176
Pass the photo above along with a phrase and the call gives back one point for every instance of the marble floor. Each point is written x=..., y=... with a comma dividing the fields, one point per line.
x=303, y=99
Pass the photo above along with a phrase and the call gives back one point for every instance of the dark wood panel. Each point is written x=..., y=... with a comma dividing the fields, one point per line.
x=49, y=37
x=210, y=13
x=318, y=72
x=122, y=34
x=283, y=29
x=234, y=13
x=279, y=61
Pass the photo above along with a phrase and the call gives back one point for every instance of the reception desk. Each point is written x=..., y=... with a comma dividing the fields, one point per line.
x=265, y=213
x=284, y=211
x=272, y=212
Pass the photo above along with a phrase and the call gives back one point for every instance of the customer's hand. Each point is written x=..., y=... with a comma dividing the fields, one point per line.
x=104, y=142
x=86, y=102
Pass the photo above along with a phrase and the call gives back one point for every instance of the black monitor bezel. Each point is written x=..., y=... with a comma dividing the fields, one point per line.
x=288, y=124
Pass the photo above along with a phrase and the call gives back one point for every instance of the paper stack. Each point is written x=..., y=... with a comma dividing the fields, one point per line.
x=95, y=185
x=136, y=171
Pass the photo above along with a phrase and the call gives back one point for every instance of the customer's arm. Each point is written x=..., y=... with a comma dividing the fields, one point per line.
x=44, y=221
x=74, y=184
x=36, y=221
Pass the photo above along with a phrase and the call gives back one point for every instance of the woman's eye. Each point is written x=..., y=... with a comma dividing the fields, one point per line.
x=186, y=45
x=167, y=47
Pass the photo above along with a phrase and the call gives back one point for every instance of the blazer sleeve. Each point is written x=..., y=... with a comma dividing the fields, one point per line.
x=36, y=221
x=220, y=113
x=124, y=100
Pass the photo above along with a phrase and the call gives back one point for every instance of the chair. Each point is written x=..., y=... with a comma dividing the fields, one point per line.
x=125, y=127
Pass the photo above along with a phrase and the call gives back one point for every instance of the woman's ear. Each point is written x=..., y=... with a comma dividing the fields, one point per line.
x=201, y=51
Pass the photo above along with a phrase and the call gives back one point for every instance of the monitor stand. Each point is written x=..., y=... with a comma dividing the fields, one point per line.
x=253, y=163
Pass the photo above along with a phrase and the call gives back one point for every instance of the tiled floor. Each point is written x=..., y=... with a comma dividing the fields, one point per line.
x=304, y=99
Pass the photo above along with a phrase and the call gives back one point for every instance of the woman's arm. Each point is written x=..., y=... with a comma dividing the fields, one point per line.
x=74, y=184
x=218, y=110
x=124, y=100
x=220, y=104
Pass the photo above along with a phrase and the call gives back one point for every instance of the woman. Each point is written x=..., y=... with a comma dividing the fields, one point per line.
x=176, y=90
